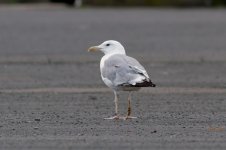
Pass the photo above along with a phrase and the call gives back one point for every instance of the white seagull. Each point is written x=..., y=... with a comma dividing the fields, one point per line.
x=121, y=72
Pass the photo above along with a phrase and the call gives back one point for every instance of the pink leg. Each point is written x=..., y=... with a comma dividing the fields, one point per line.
x=116, y=107
x=129, y=108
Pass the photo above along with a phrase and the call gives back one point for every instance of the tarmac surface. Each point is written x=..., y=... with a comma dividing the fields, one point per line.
x=52, y=96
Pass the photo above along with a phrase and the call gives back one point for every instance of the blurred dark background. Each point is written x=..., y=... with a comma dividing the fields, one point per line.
x=153, y=3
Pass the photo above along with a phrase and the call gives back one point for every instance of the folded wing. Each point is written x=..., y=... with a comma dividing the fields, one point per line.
x=123, y=70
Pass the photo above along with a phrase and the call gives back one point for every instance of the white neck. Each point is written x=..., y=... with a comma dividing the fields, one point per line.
x=115, y=52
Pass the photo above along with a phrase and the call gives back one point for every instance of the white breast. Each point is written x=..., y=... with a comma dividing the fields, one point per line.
x=105, y=57
x=106, y=81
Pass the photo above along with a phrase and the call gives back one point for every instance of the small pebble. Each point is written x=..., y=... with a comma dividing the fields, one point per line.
x=92, y=97
x=37, y=119
x=154, y=131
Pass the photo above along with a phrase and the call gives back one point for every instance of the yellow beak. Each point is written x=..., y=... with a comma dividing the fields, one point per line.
x=94, y=49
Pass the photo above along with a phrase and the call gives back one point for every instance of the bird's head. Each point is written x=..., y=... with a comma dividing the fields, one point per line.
x=109, y=47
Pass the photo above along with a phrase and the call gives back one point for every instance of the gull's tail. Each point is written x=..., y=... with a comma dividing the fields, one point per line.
x=145, y=84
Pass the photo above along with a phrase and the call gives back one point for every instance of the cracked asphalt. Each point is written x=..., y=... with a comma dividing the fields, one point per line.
x=52, y=96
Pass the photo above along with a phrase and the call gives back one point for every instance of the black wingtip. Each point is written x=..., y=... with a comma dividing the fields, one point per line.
x=153, y=85
x=142, y=84
x=145, y=84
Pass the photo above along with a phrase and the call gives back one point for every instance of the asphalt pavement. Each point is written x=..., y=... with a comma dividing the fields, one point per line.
x=52, y=96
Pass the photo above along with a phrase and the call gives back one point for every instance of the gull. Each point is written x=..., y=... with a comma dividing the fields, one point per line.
x=121, y=73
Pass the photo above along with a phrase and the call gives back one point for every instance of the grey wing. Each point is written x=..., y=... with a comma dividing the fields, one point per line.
x=121, y=69
x=136, y=66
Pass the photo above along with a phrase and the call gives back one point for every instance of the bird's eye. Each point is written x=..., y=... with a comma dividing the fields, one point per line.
x=107, y=44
